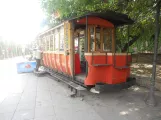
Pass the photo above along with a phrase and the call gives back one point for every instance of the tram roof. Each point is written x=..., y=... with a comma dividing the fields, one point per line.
x=116, y=18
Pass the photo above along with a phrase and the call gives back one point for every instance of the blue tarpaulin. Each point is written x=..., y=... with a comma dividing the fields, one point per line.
x=25, y=67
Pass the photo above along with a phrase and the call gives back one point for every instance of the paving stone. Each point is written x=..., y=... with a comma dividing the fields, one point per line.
x=43, y=95
x=29, y=94
x=12, y=99
x=27, y=99
x=69, y=114
x=6, y=116
x=44, y=111
x=42, y=98
x=6, y=108
x=59, y=100
x=46, y=118
x=24, y=115
x=26, y=106
x=44, y=103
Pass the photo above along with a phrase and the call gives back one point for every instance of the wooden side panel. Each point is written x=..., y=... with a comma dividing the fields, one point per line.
x=63, y=61
x=44, y=59
x=66, y=31
x=71, y=47
x=53, y=60
x=47, y=59
x=57, y=62
x=50, y=60
x=68, y=65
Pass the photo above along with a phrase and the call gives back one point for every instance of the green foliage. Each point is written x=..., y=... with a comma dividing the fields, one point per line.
x=142, y=11
x=69, y=8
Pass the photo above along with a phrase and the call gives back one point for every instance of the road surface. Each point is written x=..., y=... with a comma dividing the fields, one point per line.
x=27, y=97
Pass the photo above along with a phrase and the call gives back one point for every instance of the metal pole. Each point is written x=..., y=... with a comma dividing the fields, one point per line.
x=86, y=43
x=128, y=37
x=128, y=45
x=150, y=100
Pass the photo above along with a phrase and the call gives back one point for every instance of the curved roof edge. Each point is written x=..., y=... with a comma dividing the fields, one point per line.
x=116, y=18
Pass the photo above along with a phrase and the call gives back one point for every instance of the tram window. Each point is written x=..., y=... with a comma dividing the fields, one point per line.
x=76, y=45
x=82, y=40
x=41, y=44
x=44, y=43
x=47, y=43
x=92, y=38
x=51, y=42
x=98, y=39
x=107, y=39
x=56, y=41
x=62, y=39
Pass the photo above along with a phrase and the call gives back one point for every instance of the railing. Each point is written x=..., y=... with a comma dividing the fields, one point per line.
x=96, y=65
x=121, y=67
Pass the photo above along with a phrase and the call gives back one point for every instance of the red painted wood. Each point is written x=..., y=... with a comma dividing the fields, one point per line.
x=107, y=74
x=96, y=21
x=77, y=64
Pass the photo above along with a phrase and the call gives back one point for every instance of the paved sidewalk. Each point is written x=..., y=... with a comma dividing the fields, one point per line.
x=27, y=97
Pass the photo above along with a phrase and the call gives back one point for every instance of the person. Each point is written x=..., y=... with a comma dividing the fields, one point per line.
x=38, y=56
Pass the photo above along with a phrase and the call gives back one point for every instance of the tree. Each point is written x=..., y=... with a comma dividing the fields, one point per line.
x=139, y=10
x=141, y=32
x=150, y=100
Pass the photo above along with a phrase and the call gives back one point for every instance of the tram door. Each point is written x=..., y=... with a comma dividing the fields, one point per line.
x=79, y=49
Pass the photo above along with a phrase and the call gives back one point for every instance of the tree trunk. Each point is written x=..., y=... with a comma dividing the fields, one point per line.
x=125, y=48
x=150, y=100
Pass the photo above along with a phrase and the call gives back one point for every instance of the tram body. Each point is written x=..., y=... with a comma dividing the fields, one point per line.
x=84, y=48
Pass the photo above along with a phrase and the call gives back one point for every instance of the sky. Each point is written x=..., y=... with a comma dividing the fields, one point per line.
x=20, y=20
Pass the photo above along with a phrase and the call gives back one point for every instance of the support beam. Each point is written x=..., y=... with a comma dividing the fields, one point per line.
x=86, y=43
x=72, y=50
x=94, y=39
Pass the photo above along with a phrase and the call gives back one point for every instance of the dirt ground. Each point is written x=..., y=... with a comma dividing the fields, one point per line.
x=143, y=73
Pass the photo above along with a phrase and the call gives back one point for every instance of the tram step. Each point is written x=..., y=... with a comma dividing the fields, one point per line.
x=76, y=86
x=68, y=82
x=124, y=67
x=97, y=65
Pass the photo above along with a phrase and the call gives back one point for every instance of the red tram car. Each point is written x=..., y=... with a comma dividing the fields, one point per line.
x=84, y=49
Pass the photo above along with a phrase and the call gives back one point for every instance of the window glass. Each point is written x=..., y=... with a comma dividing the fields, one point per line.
x=62, y=39
x=48, y=42
x=56, y=41
x=43, y=45
x=91, y=30
x=51, y=42
x=76, y=45
x=98, y=39
x=107, y=39
x=66, y=35
x=82, y=43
